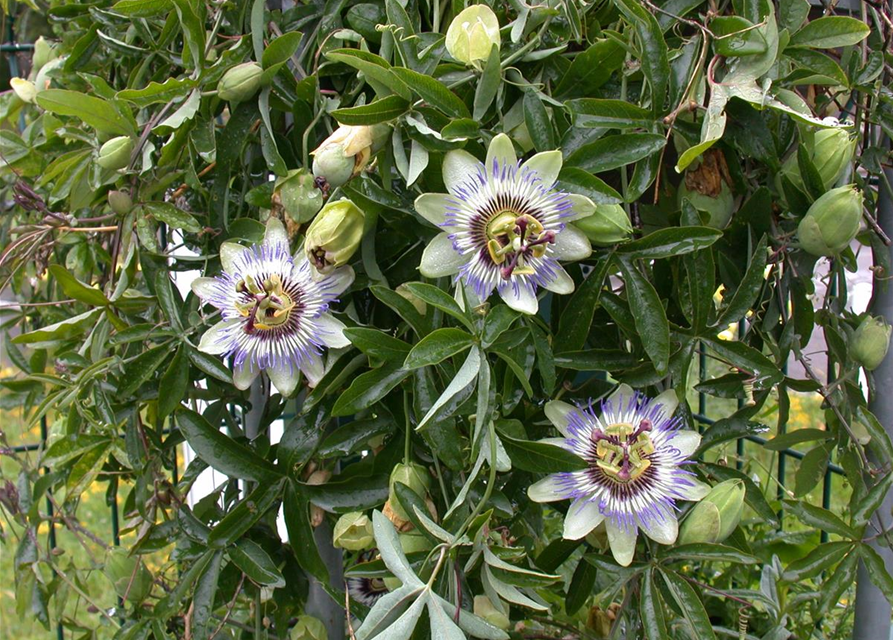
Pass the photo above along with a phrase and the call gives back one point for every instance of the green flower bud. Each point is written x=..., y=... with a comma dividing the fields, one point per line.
x=44, y=51
x=720, y=208
x=298, y=196
x=240, y=83
x=831, y=151
x=25, y=90
x=715, y=517
x=334, y=235
x=831, y=222
x=346, y=152
x=472, y=34
x=412, y=475
x=870, y=342
x=608, y=225
x=483, y=608
x=353, y=532
x=309, y=628
x=130, y=577
x=120, y=202
x=115, y=154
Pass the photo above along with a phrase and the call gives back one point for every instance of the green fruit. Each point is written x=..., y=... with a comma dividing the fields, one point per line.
x=115, y=154
x=130, y=577
x=240, y=83
x=831, y=222
x=720, y=208
x=715, y=517
x=120, y=202
x=870, y=342
x=608, y=225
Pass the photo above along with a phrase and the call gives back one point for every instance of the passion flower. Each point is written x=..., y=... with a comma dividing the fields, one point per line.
x=275, y=312
x=636, y=453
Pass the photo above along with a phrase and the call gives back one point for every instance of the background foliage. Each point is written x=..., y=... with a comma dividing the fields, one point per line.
x=633, y=94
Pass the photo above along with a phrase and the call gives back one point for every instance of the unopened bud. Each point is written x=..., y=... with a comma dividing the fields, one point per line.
x=24, y=89
x=334, y=235
x=298, y=196
x=870, y=342
x=831, y=222
x=120, y=202
x=472, y=35
x=831, y=151
x=353, y=532
x=412, y=475
x=483, y=608
x=44, y=52
x=608, y=225
x=240, y=83
x=715, y=517
x=115, y=154
x=346, y=152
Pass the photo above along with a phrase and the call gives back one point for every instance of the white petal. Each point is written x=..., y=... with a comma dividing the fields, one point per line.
x=432, y=207
x=695, y=492
x=204, y=287
x=571, y=244
x=440, y=258
x=556, y=412
x=686, y=441
x=555, y=442
x=229, y=253
x=547, y=166
x=339, y=280
x=582, y=517
x=623, y=391
x=622, y=541
x=548, y=489
x=520, y=298
x=502, y=151
x=563, y=284
x=458, y=168
x=331, y=331
x=276, y=233
x=284, y=378
x=215, y=341
x=582, y=206
x=244, y=375
x=669, y=400
x=313, y=369
x=662, y=531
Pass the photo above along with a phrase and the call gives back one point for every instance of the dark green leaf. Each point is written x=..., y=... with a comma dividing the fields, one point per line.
x=369, y=388
x=690, y=604
x=666, y=243
x=377, y=344
x=296, y=508
x=573, y=328
x=256, y=564
x=816, y=561
x=488, y=85
x=616, y=151
x=376, y=112
x=649, y=315
x=830, y=32
x=141, y=368
x=437, y=346
x=537, y=120
x=813, y=516
x=540, y=457
x=174, y=384
x=74, y=288
x=436, y=297
x=433, y=92
x=651, y=609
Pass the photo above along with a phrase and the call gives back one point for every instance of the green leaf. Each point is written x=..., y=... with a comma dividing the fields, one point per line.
x=438, y=298
x=609, y=114
x=62, y=330
x=753, y=495
x=651, y=608
x=830, y=32
x=69, y=447
x=141, y=8
x=209, y=365
x=403, y=307
x=171, y=90
x=240, y=519
x=140, y=369
x=748, y=360
x=465, y=377
x=174, y=384
x=496, y=322
x=486, y=90
x=666, y=243
x=537, y=120
x=813, y=516
x=872, y=501
x=785, y=440
x=354, y=494
x=222, y=452
x=690, y=604
x=839, y=581
x=376, y=70
x=169, y=301
x=74, y=288
x=377, y=344
x=596, y=360
x=653, y=49
x=591, y=69
x=709, y=553
x=354, y=436
x=576, y=321
x=736, y=36
x=93, y=111
x=877, y=570
x=649, y=315
x=540, y=457
x=816, y=561
x=256, y=564
x=616, y=151
x=172, y=216
x=369, y=388
x=279, y=51
x=437, y=346
x=381, y=110
x=748, y=289
x=433, y=92
x=203, y=597
x=880, y=440
x=574, y=180
x=296, y=508
x=581, y=587
x=193, y=30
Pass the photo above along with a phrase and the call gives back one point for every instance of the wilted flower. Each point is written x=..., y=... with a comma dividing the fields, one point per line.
x=275, y=312
x=636, y=452
x=715, y=517
x=334, y=235
x=353, y=532
x=472, y=35
x=870, y=342
x=240, y=83
x=505, y=227
x=831, y=222
x=346, y=152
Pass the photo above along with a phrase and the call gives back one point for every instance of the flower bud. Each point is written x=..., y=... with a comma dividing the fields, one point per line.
x=240, y=83
x=831, y=222
x=353, y=532
x=334, y=235
x=44, y=51
x=870, y=342
x=715, y=517
x=120, y=202
x=608, y=225
x=472, y=34
x=115, y=154
x=309, y=628
x=412, y=475
x=130, y=577
x=25, y=90
x=298, y=196
x=831, y=151
x=483, y=608
x=346, y=152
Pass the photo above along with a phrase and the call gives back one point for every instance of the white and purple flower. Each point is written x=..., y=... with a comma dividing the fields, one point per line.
x=275, y=312
x=637, y=453
x=505, y=227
